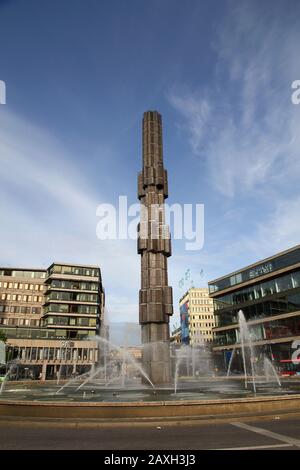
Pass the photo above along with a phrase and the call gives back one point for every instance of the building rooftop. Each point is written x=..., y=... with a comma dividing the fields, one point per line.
x=266, y=268
x=76, y=265
x=192, y=289
x=260, y=262
x=13, y=268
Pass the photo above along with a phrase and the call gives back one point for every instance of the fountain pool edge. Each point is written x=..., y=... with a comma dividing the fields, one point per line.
x=147, y=410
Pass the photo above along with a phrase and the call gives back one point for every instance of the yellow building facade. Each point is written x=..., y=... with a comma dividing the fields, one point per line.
x=198, y=306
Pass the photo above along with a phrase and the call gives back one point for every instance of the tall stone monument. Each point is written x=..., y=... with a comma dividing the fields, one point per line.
x=154, y=246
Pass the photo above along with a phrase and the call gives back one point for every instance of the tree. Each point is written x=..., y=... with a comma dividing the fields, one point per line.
x=3, y=336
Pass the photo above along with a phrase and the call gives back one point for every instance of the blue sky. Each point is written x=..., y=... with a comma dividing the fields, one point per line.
x=79, y=75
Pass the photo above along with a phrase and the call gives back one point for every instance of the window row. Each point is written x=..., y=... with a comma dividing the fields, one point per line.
x=72, y=296
x=199, y=294
x=70, y=321
x=201, y=309
x=202, y=302
x=19, y=309
x=66, y=308
x=200, y=341
x=57, y=354
x=202, y=325
x=66, y=284
x=21, y=286
x=202, y=317
x=22, y=298
x=46, y=333
x=73, y=270
x=20, y=273
x=19, y=322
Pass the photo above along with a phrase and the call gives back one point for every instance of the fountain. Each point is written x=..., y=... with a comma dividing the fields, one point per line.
x=167, y=383
x=118, y=386
x=118, y=377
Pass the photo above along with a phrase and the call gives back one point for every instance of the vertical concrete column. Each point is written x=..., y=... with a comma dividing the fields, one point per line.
x=154, y=246
x=44, y=370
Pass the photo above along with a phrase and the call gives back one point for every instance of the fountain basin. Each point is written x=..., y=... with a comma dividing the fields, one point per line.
x=164, y=410
x=213, y=398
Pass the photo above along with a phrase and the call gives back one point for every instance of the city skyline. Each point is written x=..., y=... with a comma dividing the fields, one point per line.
x=221, y=77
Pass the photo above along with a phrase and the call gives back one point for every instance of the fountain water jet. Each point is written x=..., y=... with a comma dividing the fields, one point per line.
x=230, y=362
x=270, y=371
x=124, y=354
x=75, y=379
x=246, y=342
x=192, y=359
x=91, y=376
x=10, y=366
x=125, y=357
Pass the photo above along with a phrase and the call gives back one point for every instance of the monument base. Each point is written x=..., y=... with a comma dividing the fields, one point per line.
x=156, y=353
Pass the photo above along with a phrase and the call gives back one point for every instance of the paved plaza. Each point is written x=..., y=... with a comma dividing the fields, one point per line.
x=276, y=432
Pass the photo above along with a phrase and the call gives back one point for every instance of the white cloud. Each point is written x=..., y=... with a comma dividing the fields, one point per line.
x=244, y=125
x=246, y=130
x=48, y=213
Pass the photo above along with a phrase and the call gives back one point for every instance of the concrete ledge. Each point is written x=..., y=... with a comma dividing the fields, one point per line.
x=147, y=410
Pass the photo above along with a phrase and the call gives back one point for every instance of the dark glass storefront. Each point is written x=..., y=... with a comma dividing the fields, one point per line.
x=275, y=305
x=261, y=300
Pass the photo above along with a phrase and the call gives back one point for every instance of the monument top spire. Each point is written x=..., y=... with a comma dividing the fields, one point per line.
x=152, y=115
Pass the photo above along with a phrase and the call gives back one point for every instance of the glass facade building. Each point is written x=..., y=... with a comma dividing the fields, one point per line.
x=268, y=293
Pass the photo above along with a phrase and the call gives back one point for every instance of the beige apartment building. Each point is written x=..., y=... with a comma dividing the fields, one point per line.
x=48, y=316
x=21, y=297
x=197, y=317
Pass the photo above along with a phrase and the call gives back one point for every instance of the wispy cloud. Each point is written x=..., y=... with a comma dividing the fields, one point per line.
x=48, y=213
x=245, y=129
x=243, y=124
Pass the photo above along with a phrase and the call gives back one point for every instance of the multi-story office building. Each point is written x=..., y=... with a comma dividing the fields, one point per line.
x=268, y=293
x=196, y=316
x=73, y=300
x=49, y=315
